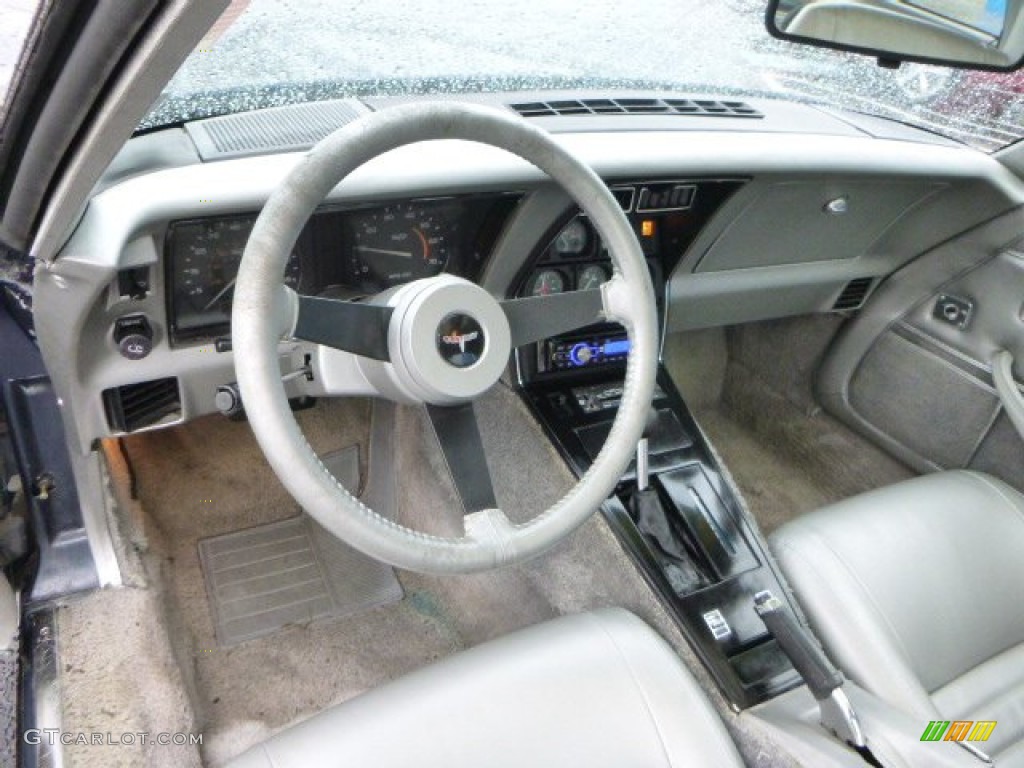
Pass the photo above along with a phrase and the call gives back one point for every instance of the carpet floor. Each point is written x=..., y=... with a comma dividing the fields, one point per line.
x=209, y=477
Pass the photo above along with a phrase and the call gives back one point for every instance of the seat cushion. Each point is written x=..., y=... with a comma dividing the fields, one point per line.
x=599, y=689
x=915, y=592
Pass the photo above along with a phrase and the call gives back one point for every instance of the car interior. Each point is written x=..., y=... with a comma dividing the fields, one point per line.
x=564, y=427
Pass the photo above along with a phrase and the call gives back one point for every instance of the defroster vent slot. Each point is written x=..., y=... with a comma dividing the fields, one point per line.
x=854, y=294
x=636, y=106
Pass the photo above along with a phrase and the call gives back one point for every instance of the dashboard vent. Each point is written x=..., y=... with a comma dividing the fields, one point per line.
x=134, y=406
x=624, y=106
x=853, y=294
x=280, y=129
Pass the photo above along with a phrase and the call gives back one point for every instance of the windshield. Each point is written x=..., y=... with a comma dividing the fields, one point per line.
x=14, y=27
x=271, y=52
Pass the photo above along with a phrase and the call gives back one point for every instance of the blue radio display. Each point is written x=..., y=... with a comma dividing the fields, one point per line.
x=620, y=347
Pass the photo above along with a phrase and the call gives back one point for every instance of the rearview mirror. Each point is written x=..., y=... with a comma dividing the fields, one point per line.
x=985, y=34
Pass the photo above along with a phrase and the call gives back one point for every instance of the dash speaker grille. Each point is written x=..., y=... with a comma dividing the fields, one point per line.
x=281, y=129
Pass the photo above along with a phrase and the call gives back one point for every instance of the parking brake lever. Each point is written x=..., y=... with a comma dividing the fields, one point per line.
x=823, y=679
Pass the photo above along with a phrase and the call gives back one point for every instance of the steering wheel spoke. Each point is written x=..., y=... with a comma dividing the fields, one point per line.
x=350, y=326
x=459, y=437
x=540, y=317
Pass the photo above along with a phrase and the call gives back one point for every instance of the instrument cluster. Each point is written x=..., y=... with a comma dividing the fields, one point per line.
x=574, y=260
x=665, y=215
x=347, y=252
x=577, y=260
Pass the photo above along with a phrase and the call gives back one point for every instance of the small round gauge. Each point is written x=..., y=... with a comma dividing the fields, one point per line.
x=592, y=276
x=573, y=238
x=546, y=282
x=398, y=243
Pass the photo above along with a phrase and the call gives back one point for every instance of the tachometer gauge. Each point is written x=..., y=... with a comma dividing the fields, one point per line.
x=545, y=283
x=398, y=243
x=573, y=238
x=592, y=276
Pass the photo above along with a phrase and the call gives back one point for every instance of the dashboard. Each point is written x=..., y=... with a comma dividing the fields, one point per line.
x=740, y=221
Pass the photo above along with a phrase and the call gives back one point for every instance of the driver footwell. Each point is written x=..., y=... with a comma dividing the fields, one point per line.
x=265, y=578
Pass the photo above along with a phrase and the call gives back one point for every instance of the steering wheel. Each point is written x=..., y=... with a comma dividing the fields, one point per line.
x=440, y=341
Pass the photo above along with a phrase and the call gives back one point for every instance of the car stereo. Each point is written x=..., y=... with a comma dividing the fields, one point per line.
x=572, y=352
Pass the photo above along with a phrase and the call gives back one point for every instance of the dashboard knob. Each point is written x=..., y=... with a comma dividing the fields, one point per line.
x=228, y=400
x=134, y=336
x=581, y=354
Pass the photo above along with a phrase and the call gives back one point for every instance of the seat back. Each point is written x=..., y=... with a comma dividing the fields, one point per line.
x=598, y=689
x=916, y=590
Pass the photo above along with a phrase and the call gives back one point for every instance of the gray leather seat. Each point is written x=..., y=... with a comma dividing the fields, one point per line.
x=598, y=689
x=917, y=593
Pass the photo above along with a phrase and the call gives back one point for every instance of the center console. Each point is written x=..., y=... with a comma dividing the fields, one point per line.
x=676, y=514
x=686, y=532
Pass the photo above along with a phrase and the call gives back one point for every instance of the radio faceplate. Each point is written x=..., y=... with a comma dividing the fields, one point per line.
x=571, y=353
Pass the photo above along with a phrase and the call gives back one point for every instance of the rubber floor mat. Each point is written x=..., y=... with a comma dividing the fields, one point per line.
x=292, y=572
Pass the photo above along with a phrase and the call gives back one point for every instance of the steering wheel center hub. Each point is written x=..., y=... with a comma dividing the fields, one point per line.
x=449, y=339
x=461, y=340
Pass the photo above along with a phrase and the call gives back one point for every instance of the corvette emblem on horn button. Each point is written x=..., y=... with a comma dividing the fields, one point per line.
x=460, y=340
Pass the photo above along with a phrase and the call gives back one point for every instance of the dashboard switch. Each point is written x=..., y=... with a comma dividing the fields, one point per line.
x=953, y=310
x=133, y=283
x=134, y=336
x=719, y=627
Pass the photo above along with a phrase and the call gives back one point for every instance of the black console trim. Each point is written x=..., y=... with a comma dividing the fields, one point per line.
x=715, y=610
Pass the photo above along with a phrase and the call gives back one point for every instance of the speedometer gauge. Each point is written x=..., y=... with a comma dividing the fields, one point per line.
x=204, y=256
x=398, y=243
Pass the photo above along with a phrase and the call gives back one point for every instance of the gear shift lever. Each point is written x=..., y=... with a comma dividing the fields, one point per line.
x=652, y=521
x=643, y=466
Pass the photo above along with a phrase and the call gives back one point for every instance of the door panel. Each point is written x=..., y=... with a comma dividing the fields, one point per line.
x=912, y=371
